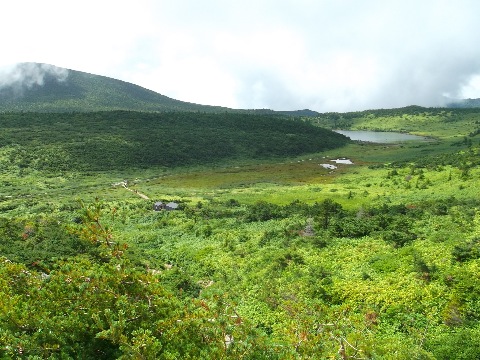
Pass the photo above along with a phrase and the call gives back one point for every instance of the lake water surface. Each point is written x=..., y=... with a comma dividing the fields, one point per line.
x=379, y=136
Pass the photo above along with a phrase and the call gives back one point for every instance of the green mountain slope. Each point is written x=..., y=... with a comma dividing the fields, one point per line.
x=46, y=88
x=121, y=139
x=445, y=123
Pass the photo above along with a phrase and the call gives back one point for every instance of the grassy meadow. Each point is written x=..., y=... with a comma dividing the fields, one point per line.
x=267, y=258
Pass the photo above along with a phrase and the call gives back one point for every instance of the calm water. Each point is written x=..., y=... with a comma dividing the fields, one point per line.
x=379, y=136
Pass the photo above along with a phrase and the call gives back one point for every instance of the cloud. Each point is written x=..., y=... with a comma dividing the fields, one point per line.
x=24, y=76
x=328, y=56
x=324, y=55
x=471, y=89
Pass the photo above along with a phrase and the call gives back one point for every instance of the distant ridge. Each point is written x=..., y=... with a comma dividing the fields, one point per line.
x=464, y=103
x=304, y=112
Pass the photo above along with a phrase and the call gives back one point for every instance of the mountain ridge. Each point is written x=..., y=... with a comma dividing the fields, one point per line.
x=37, y=87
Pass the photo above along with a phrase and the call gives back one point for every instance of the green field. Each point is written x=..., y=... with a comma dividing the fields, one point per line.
x=268, y=257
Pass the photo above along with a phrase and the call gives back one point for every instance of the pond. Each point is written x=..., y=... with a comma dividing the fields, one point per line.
x=379, y=136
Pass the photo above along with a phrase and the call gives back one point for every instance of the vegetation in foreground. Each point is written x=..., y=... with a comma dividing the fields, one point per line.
x=278, y=260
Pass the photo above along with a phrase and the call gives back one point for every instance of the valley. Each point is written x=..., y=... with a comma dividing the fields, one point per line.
x=268, y=256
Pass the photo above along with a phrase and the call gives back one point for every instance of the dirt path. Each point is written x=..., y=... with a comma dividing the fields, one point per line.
x=125, y=186
x=143, y=196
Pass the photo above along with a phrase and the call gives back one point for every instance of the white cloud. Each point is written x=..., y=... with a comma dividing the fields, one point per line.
x=325, y=55
x=471, y=90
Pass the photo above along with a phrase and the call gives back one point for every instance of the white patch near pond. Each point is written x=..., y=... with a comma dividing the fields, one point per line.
x=343, y=161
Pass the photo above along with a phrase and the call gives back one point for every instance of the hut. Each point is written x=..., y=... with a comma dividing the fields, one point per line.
x=171, y=206
x=158, y=206
x=162, y=206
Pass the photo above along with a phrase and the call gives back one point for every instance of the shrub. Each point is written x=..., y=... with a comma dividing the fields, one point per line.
x=467, y=251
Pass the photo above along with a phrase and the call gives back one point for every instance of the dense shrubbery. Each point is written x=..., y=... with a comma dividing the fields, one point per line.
x=383, y=266
x=467, y=251
x=251, y=281
x=363, y=280
x=120, y=140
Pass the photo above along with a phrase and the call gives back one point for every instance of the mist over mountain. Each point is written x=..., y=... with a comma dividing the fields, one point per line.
x=464, y=103
x=47, y=88
x=15, y=81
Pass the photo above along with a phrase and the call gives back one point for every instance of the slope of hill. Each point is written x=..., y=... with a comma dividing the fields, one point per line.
x=46, y=88
x=123, y=139
x=433, y=122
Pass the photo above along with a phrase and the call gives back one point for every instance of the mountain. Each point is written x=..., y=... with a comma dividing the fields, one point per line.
x=47, y=88
x=304, y=112
x=464, y=103
x=57, y=118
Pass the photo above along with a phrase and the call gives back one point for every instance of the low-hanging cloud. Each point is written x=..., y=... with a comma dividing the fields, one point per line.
x=324, y=55
x=24, y=76
x=381, y=54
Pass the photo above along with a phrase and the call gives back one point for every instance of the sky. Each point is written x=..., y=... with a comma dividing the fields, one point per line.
x=324, y=55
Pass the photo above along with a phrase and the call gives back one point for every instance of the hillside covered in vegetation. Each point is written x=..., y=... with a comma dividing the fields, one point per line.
x=122, y=140
x=435, y=122
x=35, y=87
x=269, y=255
x=47, y=88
